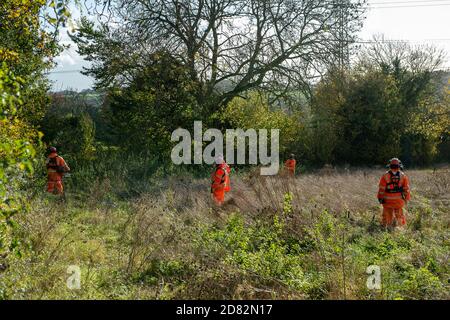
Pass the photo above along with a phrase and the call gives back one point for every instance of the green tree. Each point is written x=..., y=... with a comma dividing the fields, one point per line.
x=381, y=108
x=255, y=112
x=423, y=107
x=157, y=101
x=27, y=47
x=322, y=135
x=16, y=155
x=69, y=126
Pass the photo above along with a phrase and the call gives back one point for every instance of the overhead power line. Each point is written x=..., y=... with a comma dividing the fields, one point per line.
x=408, y=2
x=399, y=40
x=409, y=6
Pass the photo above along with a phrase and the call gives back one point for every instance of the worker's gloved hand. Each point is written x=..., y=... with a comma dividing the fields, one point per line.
x=381, y=201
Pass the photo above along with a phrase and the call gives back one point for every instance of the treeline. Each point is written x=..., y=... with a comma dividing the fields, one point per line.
x=383, y=106
x=392, y=102
x=245, y=65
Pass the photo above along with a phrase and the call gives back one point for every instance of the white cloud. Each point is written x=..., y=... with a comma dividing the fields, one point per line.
x=65, y=59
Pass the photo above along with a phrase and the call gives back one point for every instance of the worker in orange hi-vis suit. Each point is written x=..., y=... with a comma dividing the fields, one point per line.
x=56, y=167
x=393, y=194
x=290, y=164
x=220, y=180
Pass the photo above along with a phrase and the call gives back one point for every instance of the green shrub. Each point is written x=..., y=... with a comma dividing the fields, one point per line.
x=259, y=250
x=16, y=158
x=421, y=284
x=173, y=271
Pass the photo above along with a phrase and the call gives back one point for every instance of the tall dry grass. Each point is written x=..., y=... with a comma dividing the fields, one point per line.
x=168, y=219
x=351, y=192
x=148, y=247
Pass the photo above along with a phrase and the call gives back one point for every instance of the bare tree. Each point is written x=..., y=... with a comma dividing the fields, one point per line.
x=228, y=46
x=387, y=53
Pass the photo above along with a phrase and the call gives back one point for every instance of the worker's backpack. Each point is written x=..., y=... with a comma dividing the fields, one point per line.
x=53, y=164
x=393, y=183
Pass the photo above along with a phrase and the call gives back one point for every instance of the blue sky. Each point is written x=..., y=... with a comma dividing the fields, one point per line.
x=426, y=21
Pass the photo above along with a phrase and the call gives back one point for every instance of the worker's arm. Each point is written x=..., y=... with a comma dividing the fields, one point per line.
x=64, y=164
x=381, y=189
x=406, y=191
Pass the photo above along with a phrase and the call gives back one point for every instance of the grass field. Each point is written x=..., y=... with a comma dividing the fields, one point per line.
x=311, y=237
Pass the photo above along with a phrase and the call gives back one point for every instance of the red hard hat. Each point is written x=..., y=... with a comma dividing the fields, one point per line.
x=394, y=161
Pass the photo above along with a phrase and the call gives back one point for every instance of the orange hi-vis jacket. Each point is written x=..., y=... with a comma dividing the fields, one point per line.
x=220, y=179
x=56, y=167
x=52, y=170
x=290, y=165
x=394, y=189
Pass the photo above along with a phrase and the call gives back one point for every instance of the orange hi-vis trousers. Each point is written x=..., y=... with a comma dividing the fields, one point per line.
x=54, y=181
x=391, y=214
x=219, y=196
x=220, y=183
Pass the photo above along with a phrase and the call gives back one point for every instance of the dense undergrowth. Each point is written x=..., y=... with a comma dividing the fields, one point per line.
x=311, y=237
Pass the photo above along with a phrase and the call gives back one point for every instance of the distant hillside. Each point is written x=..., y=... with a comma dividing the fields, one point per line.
x=89, y=96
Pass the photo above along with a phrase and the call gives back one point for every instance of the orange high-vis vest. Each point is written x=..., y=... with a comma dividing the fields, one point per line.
x=220, y=182
x=394, y=189
x=220, y=179
x=290, y=165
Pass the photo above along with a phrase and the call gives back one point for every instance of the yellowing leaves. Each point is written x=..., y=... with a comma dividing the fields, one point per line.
x=8, y=55
x=255, y=112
